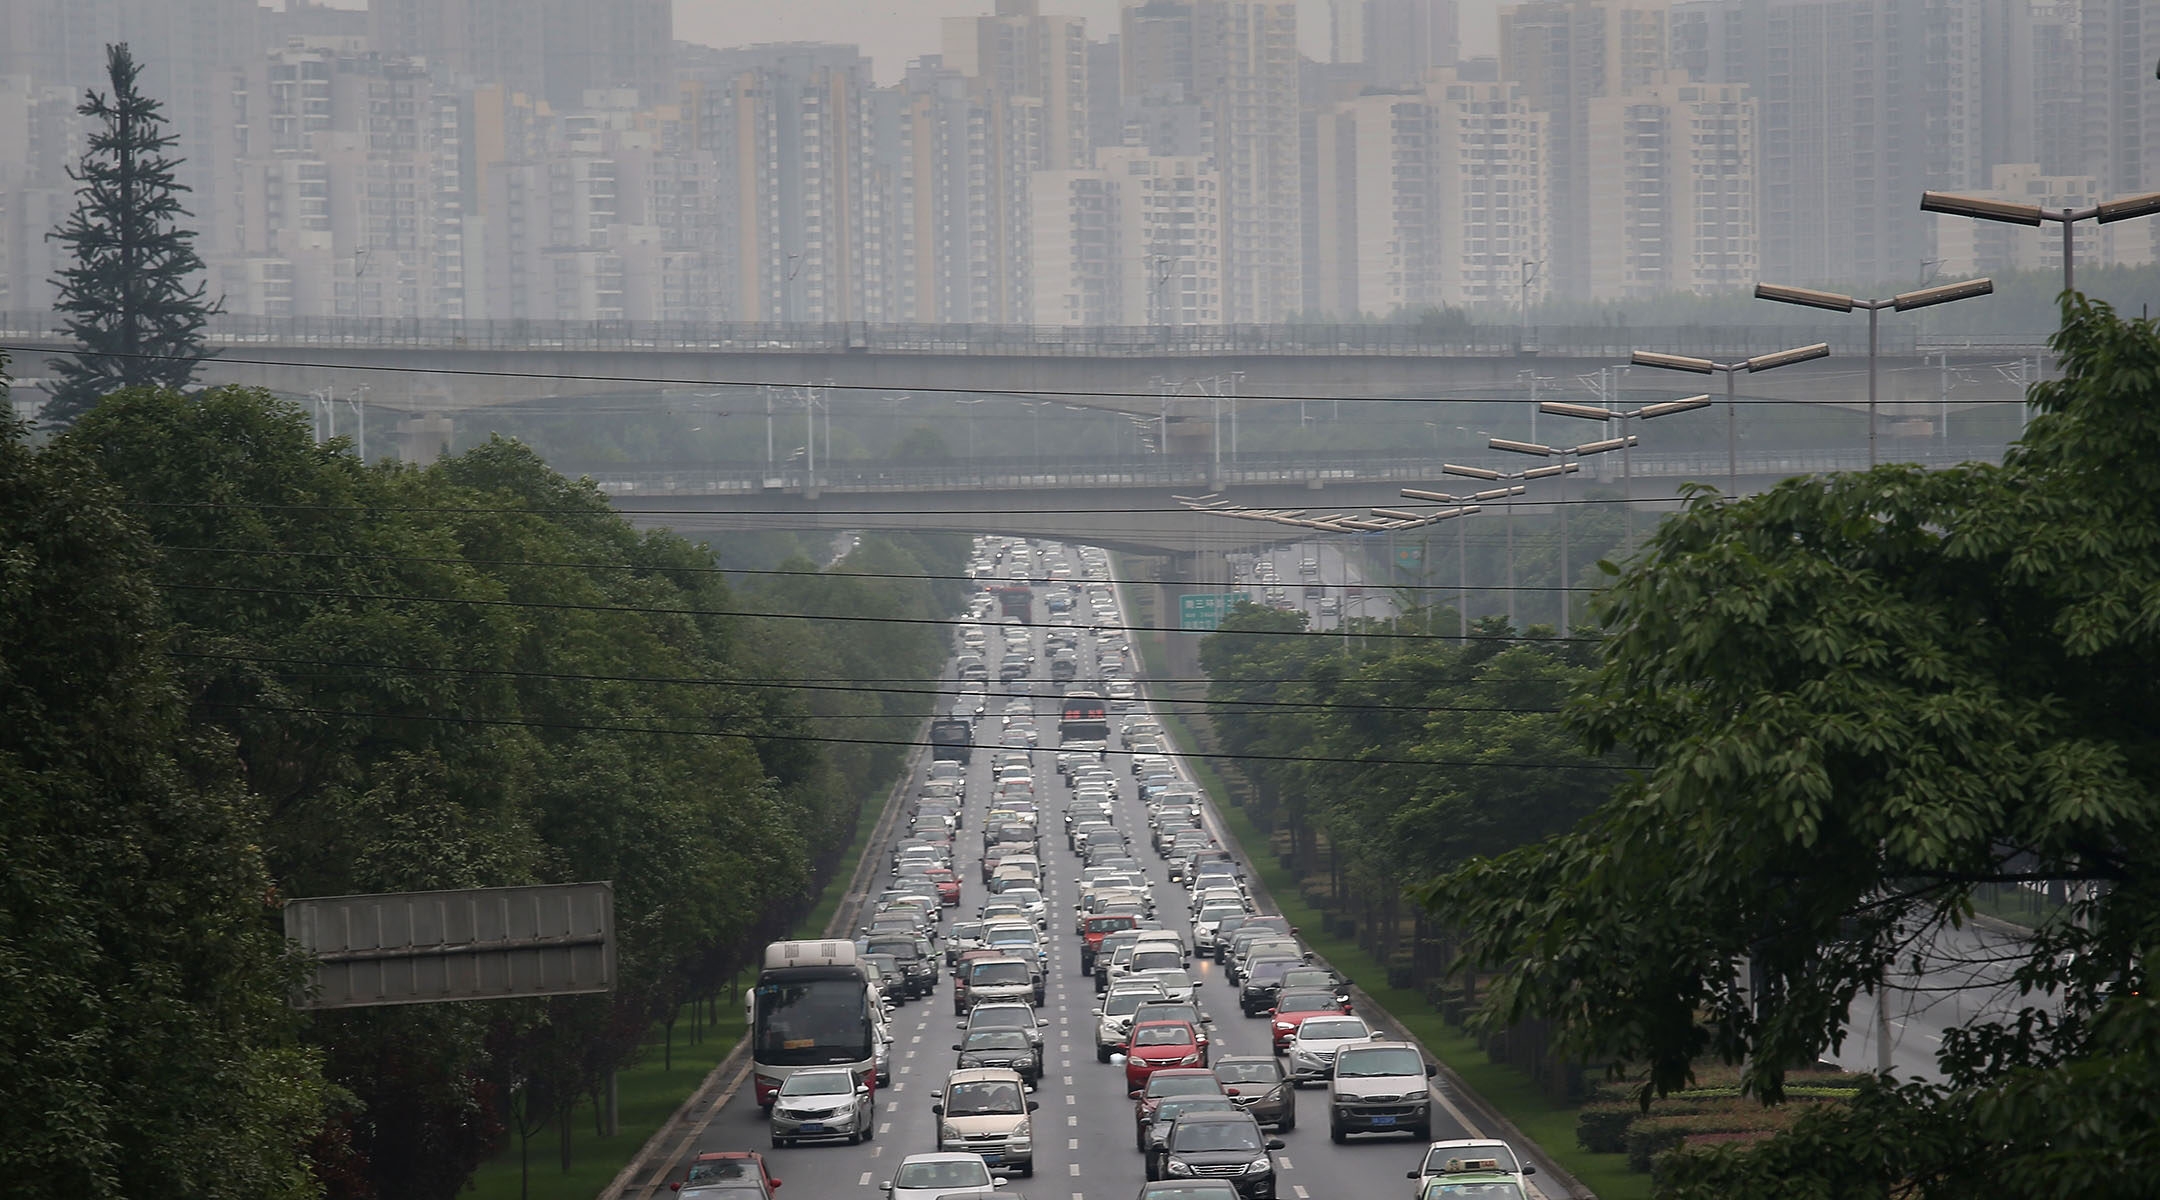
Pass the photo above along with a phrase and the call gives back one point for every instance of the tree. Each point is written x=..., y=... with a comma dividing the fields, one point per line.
x=145, y=1043
x=127, y=297
x=1854, y=700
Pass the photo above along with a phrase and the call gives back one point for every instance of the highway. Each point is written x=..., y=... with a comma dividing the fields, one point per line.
x=1084, y=1134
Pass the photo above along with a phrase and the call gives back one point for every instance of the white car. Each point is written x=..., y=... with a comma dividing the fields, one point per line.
x=930, y=1176
x=1318, y=1039
x=1113, y=1021
x=1470, y=1154
x=822, y=1105
x=1176, y=982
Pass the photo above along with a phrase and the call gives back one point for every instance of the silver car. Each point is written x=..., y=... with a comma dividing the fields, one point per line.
x=1313, y=1048
x=825, y=1105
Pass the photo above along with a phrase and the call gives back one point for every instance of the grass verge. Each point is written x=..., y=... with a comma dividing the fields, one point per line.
x=649, y=1093
x=1549, y=1123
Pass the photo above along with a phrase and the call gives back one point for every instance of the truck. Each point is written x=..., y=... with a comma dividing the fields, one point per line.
x=1015, y=600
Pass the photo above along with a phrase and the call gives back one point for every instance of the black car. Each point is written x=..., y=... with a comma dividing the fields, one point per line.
x=892, y=984
x=1262, y=983
x=913, y=954
x=1158, y=1126
x=1222, y=1146
x=998, y=1047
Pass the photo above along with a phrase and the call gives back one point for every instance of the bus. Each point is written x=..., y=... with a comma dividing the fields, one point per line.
x=1085, y=717
x=812, y=1007
x=951, y=739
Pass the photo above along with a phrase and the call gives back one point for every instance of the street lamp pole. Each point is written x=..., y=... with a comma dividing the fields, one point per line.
x=1648, y=412
x=1981, y=209
x=1902, y=302
x=1492, y=476
x=1704, y=366
x=1463, y=507
x=1575, y=453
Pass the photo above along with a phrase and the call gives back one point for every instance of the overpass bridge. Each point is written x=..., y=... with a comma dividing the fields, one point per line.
x=1182, y=376
x=1133, y=505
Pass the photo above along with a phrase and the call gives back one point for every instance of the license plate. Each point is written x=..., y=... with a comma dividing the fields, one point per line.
x=993, y=1159
x=813, y=1127
x=1379, y=1121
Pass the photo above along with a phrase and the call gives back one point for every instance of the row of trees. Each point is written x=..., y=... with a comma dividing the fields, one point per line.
x=240, y=666
x=1842, y=706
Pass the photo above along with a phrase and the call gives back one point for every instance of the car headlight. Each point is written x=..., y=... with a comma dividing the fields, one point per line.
x=1345, y=1098
x=1259, y=1166
x=1286, y=1026
x=1020, y=1140
x=1178, y=1167
x=947, y=1130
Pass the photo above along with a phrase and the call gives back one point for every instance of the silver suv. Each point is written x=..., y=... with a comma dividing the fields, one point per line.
x=985, y=1111
x=1380, y=1088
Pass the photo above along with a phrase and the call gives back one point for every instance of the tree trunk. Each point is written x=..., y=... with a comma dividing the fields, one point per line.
x=565, y=1122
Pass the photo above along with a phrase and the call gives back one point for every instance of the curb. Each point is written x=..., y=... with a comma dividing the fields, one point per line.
x=699, y=1108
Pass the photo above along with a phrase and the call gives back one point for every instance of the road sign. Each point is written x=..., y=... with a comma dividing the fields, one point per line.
x=470, y=944
x=1409, y=558
x=1205, y=610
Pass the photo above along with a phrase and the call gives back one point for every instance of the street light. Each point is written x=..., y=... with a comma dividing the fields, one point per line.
x=1704, y=366
x=1902, y=302
x=1463, y=507
x=1576, y=452
x=1648, y=412
x=1981, y=209
x=1491, y=476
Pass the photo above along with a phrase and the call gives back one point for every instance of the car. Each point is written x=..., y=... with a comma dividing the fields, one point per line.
x=1261, y=979
x=1158, y=1044
x=1158, y=1128
x=1222, y=1145
x=1113, y=1021
x=1005, y=1015
x=994, y=979
x=821, y=1105
x=1461, y=1158
x=1380, y=1087
x=1161, y=1086
x=1492, y=1184
x=1177, y=1010
x=930, y=1176
x=1258, y=1084
x=1011, y=1048
x=1318, y=1040
x=1293, y=1007
x=730, y=1175
x=986, y=1111
x=1176, y=982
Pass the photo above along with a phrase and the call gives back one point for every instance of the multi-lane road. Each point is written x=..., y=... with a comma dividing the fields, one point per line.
x=1084, y=1129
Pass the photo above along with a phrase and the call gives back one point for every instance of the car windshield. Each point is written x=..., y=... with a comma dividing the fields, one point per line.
x=1367, y=1064
x=1215, y=1135
x=818, y=1083
x=1160, y=1084
x=1102, y=924
x=998, y=972
x=899, y=949
x=1305, y=1000
x=1323, y=1030
x=1437, y=1159
x=981, y=1099
x=1124, y=1004
x=997, y=1039
x=1444, y=1188
x=952, y=1174
x=722, y=1171
x=1163, y=1035
x=991, y=1016
x=1152, y=959
x=1023, y=896
x=1247, y=1072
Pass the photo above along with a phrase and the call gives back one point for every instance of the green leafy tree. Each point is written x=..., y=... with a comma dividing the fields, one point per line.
x=128, y=297
x=145, y=1043
x=1854, y=700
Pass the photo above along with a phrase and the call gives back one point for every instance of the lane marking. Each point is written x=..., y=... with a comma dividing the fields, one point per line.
x=1072, y=1120
x=885, y=1128
x=892, y=1106
x=1073, y=1168
x=1302, y=1194
x=1283, y=1162
x=1072, y=1143
x=864, y=1181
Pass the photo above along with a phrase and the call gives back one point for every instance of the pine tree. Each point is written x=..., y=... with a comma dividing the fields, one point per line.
x=127, y=298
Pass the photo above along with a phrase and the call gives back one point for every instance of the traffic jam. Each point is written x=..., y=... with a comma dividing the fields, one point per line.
x=1059, y=884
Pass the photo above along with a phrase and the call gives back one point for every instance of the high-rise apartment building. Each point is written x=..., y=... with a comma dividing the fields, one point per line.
x=789, y=126
x=1406, y=39
x=948, y=240
x=1135, y=240
x=2118, y=41
x=1020, y=52
x=1428, y=197
x=555, y=49
x=1966, y=248
x=1238, y=60
x=1672, y=190
x=1566, y=53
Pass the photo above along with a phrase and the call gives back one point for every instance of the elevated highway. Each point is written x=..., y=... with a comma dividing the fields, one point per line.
x=1184, y=376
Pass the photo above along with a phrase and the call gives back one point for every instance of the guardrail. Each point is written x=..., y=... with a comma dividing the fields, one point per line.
x=1199, y=473
x=235, y=331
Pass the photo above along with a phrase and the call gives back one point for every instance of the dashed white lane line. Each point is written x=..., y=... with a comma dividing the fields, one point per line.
x=864, y=1181
x=1068, y=1081
x=1072, y=1143
x=892, y=1106
x=1073, y=1168
x=885, y=1128
x=899, y=1085
x=1073, y=1120
x=1302, y=1194
x=916, y=1038
x=1283, y=1161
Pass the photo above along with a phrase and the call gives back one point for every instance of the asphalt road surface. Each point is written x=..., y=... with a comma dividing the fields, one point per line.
x=1084, y=1130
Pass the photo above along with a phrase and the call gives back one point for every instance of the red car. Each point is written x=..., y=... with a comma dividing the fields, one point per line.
x=1158, y=1044
x=737, y=1171
x=948, y=885
x=1296, y=1004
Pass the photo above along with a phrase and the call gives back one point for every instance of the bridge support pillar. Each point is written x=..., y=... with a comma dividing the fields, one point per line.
x=424, y=439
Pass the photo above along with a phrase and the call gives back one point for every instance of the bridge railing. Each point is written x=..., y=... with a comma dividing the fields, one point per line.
x=233, y=330
x=1198, y=474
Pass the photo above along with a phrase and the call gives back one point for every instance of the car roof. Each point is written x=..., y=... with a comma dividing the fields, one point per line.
x=982, y=1075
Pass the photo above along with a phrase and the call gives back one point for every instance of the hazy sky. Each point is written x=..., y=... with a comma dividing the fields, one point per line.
x=894, y=31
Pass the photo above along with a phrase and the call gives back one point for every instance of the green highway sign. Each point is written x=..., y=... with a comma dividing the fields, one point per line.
x=1204, y=611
